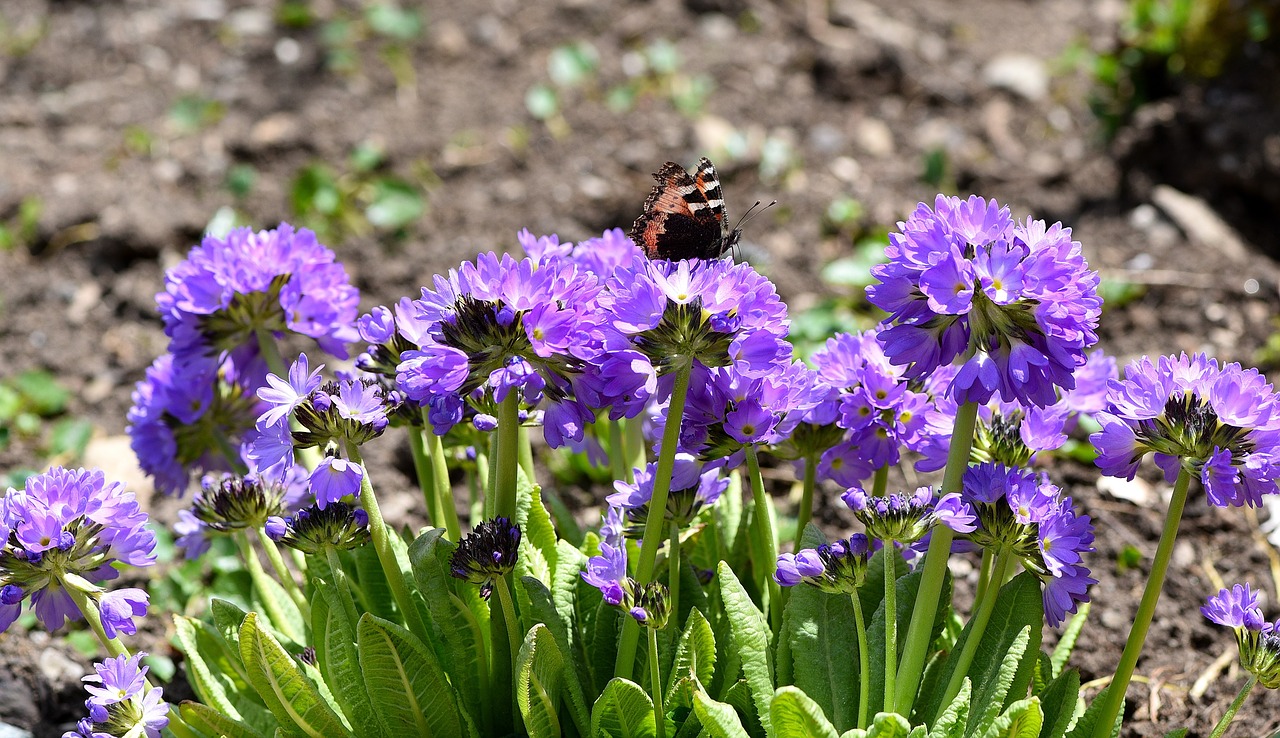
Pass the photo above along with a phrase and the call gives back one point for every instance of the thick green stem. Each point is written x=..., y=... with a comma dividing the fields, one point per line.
x=283, y=574
x=258, y=576
x=636, y=448
x=864, y=661
x=525, y=446
x=880, y=482
x=426, y=480
x=505, y=652
x=508, y=457
x=654, y=523
x=673, y=575
x=806, y=495
x=1146, y=608
x=985, y=606
x=442, y=491
x=89, y=608
x=890, y=620
x=984, y=574
x=509, y=615
x=618, y=452
x=381, y=539
x=1221, y=728
x=767, y=542
x=655, y=681
x=919, y=633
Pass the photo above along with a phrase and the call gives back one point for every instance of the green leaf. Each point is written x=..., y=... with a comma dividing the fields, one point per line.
x=750, y=635
x=287, y=693
x=623, y=710
x=824, y=651
x=42, y=392
x=294, y=627
x=339, y=660
x=227, y=618
x=1059, y=701
x=395, y=205
x=208, y=720
x=955, y=719
x=996, y=686
x=1022, y=719
x=1176, y=733
x=462, y=648
x=1092, y=714
x=1067, y=641
x=883, y=725
x=695, y=660
x=550, y=628
x=219, y=679
x=540, y=677
x=373, y=590
x=718, y=719
x=70, y=437
x=794, y=715
x=408, y=689
x=393, y=21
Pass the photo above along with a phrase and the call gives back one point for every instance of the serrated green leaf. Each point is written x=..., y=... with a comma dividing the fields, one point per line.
x=623, y=710
x=408, y=689
x=602, y=648
x=794, y=715
x=718, y=719
x=1059, y=701
x=824, y=651
x=955, y=718
x=996, y=686
x=1067, y=641
x=540, y=672
x=1092, y=714
x=287, y=693
x=293, y=627
x=371, y=586
x=339, y=660
x=549, y=621
x=884, y=725
x=211, y=722
x=1022, y=719
x=227, y=618
x=538, y=555
x=750, y=635
x=1042, y=674
x=695, y=660
x=214, y=670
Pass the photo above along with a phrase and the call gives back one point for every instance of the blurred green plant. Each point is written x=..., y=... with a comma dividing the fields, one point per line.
x=20, y=230
x=193, y=113
x=850, y=311
x=393, y=29
x=1162, y=42
x=363, y=199
x=1268, y=357
x=16, y=42
x=32, y=406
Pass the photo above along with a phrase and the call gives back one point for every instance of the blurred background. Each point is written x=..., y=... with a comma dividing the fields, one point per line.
x=410, y=136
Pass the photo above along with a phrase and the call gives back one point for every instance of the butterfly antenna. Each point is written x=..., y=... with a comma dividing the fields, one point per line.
x=752, y=212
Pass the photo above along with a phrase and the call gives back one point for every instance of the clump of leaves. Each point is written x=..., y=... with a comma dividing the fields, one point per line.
x=360, y=200
x=19, y=230
x=32, y=406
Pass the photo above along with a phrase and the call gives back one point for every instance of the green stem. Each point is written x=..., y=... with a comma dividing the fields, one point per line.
x=271, y=352
x=864, y=661
x=762, y=529
x=653, y=524
x=89, y=608
x=986, y=605
x=637, y=450
x=890, y=620
x=618, y=452
x=283, y=574
x=806, y=496
x=507, y=457
x=1221, y=728
x=659, y=712
x=525, y=446
x=880, y=482
x=422, y=470
x=381, y=539
x=984, y=574
x=442, y=490
x=505, y=655
x=1146, y=609
x=259, y=576
x=230, y=453
x=934, y=571
x=673, y=574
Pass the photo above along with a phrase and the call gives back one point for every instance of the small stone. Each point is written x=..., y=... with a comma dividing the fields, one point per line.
x=87, y=296
x=115, y=457
x=13, y=731
x=287, y=51
x=1134, y=490
x=1022, y=74
x=1201, y=224
x=250, y=22
x=846, y=169
x=275, y=130
x=874, y=137
x=59, y=668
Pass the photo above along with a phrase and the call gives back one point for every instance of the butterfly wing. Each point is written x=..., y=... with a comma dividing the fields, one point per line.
x=678, y=221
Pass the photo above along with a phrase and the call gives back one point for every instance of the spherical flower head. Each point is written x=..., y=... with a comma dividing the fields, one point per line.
x=600, y=256
x=67, y=527
x=1222, y=423
x=489, y=550
x=906, y=518
x=314, y=530
x=1259, y=640
x=278, y=281
x=499, y=325
x=692, y=489
x=712, y=312
x=347, y=411
x=1017, y=299
x=229, y=503
x=652, y=605
x=120, y=703
x=187, y=412
x=839, y=567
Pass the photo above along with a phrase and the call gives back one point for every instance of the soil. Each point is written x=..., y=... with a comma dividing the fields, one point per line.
x=809, y=102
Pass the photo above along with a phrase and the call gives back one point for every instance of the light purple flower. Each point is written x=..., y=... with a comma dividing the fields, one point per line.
x=335, y=478
x=118, y=609
x=282, y=396
x=1235, y=608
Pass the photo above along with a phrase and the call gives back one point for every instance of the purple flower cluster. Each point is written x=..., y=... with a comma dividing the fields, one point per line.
x=692, y=489
x=839, y=567
x=1222, y=423
x=1259, y=640
x=68, y=528
x=315, y=529
x=1015, y=301
x=1026, y=516
x=280, y=281
x=600, y=256
x=908, y=518
x=120, y=702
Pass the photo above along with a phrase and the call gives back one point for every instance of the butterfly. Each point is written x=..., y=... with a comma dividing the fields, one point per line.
x=684, y=215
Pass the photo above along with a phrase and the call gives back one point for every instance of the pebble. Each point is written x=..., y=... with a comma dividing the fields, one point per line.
x=287, y=51
x=874, y=137
x=59, y=668
x=1022, y=74
x=13, y=731
x=277, y=129
x=1201, y=224
x=250, y=22
x=115, y=457
x=1134, y=490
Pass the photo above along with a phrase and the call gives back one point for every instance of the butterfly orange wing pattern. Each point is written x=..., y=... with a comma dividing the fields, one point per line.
x=684, y=215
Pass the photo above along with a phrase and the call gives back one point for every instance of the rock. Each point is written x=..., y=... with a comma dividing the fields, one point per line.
x=250, y=22
x=874, y=137
x=1201, y=224
x=278, y=129
x=1135, y=490
x=1022, y=74
x=59, y=668
x=13, y=731
x=287, y=51
x=115, y=458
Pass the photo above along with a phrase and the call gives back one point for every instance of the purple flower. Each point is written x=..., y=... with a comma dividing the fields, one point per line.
x=280, y=281
x=120, y=703
x=335, y=478
x=314, y=529
x=692, y=489
x=1222, y=423
x=191, y=535
x=838, y=567
x=1235, y=608
x=1017, y=299
x=117, y=679
x=118, y=609
x=608, y=573
x=490, y=550
x=907, y=518
x=600, y=256
x=67, y=525
x=1259, y=640
x=282, y=396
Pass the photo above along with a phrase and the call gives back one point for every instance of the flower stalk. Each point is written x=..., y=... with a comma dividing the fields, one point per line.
x=766, y=541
